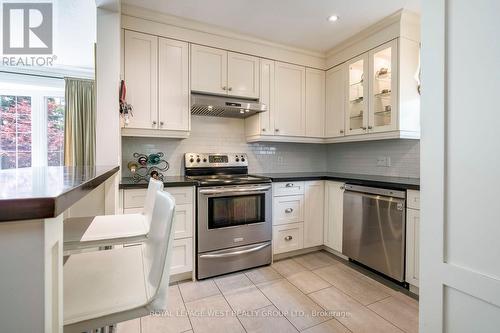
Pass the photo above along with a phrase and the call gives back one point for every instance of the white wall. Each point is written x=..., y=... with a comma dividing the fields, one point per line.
x=361, y=157
x=211, y=134
x=108, y=80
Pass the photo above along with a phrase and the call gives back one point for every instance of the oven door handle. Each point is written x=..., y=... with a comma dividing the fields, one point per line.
x=226, y=253
x=235, y=190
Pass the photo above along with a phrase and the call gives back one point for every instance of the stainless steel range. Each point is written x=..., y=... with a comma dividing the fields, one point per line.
x=234, y=227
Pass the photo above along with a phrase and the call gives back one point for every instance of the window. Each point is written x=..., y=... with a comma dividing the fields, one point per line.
x=31, y=123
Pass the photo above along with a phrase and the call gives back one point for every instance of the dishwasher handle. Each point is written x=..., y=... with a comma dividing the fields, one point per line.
x=376, y=191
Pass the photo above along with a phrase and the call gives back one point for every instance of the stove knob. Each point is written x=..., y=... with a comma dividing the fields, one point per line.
x=191, y=160
x=237, y=159
x=243, y=159
x=204, y=160
x=198, y=160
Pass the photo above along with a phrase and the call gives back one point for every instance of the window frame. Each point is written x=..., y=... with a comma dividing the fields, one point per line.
x=39, y=95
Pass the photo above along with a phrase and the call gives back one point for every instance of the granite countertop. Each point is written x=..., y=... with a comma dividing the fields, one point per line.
x=356, y=179
x=45, y=192
x=168, y=181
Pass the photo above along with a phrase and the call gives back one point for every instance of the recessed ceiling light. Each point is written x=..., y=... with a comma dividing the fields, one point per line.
x=333, y=18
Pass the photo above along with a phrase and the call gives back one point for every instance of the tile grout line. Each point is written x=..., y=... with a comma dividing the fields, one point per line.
x=236, y=313
x=185, y=308
x=282, y=278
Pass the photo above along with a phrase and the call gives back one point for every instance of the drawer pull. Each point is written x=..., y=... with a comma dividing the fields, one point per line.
x=289, y=185
x=288, y=210
x=288, y=238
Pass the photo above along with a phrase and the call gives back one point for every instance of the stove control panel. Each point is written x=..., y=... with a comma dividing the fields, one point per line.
x=215, y=160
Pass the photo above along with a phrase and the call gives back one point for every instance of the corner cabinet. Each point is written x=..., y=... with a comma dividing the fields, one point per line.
x=334, y=206
x=335, y=105
x=220, y=72
x=315, y=103
x=380, y=93
x=156, y=72
x=314, y=193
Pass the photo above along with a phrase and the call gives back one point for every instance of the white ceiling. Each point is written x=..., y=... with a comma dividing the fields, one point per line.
x=299, y=23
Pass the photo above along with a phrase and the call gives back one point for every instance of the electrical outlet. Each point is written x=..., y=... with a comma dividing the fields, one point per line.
x=383, y=161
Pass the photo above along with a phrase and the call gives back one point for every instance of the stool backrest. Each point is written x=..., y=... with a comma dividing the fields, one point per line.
x=153, y=186
x=157, y=250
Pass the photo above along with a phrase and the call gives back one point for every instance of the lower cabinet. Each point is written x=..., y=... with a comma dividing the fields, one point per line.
x=183, y=247
x=334, y=202
x=288, y=237
x=297, y=215
x=412, y=242
x=313, y=213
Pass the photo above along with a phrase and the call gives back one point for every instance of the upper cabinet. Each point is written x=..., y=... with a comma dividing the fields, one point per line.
x=355, y=98
x=208, y=70
x=263, y=123
x=156, y=72
x=141, y=77
x=315, y=103
x=334, y=114
x=173, y=84
x=383, y=88
x=290, y=98
x=220, y=72
x=242, y=75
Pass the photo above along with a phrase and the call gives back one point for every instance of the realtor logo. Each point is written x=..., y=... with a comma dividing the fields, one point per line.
x=27, y=28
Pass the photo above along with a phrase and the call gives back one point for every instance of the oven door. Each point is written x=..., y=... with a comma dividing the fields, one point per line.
x=233, y=216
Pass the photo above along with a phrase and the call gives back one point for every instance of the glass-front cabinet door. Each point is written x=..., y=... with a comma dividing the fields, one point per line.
x=383, y=88
x=356, y=101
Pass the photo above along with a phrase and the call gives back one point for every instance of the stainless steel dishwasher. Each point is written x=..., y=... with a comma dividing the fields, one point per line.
x=374, y=229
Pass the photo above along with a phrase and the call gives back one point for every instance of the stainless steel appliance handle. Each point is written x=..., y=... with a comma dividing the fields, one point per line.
x=235, y=253
x=235, y=190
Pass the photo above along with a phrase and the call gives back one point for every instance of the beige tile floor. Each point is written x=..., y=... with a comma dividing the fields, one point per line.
x=312, y=293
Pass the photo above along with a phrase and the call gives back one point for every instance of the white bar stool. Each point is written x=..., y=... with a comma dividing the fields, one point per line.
x=108, y=230
x=105, y=287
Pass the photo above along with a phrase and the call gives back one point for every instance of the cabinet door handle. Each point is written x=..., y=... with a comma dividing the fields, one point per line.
x=288, y=238
x=224, y=88
x=288, y=210
x=277, y=130
x=341, y=131
x=289, y=185
x=370, y=127
x=363, y=128
x=263, y=130
x=154, y=122
x=230, y=88
x=161, y=123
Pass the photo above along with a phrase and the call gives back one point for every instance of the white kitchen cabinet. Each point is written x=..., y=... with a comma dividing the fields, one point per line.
x=156, y=72
x=413, y=239
x=315, y=103
x=356, y=96
x=263, y=122
x=335, y=102
x=173, y=83
x=334, y=201
x=182, y=256
x=220, y=72
x=290, y=100
x=141, y=77
x=183, y=247
x=288, y=209
x=288, y=237
x=243, y=75
x=383, y=87
x=412, y=246
x=208, y=69
x=314, y=213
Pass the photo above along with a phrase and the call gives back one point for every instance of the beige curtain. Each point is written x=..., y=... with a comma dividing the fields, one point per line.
x=79, y=124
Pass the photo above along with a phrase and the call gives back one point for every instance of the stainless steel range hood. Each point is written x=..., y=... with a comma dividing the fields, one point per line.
x=224, y=106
